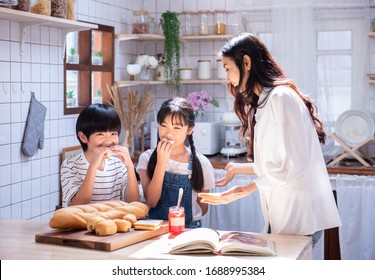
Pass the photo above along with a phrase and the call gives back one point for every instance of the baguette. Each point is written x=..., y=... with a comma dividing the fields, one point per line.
x=77, y=216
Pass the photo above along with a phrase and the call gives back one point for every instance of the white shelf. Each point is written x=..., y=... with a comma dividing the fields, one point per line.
x=155, y=37
x=28, y=19
x=186, y=82
x=371, y=34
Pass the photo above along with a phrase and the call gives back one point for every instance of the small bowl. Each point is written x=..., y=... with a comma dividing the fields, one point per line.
x=133, y=69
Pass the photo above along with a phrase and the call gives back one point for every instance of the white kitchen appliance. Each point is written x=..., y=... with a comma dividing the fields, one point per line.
x=234, y=143
x=206, y=137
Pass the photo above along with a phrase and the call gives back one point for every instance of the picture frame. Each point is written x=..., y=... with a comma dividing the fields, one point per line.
x=70, y=152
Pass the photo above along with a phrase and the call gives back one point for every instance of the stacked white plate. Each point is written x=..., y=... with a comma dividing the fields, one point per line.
x=354, y=127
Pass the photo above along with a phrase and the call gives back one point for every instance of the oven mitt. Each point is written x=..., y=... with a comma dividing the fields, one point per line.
x=33, y=137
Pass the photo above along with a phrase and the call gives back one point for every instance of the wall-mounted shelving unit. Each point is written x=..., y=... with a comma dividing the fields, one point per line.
x=149, y=38
x=185, y=82
x=27, y=19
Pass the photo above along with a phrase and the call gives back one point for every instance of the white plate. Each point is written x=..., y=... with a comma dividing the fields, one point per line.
x=354, y=126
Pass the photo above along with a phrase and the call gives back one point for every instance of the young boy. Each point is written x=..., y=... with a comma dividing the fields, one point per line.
x=104, y=170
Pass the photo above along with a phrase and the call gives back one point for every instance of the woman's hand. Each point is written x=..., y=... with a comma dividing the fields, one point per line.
x=233, y=169
x=228, y=196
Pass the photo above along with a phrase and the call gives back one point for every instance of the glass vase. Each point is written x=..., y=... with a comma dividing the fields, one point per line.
x=200, y=116
x=146, y=74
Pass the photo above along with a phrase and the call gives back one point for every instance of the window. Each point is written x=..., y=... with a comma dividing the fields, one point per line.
x=88, y=68
x=339, y=75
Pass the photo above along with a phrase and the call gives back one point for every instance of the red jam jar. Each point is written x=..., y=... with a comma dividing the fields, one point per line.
x=176, y=220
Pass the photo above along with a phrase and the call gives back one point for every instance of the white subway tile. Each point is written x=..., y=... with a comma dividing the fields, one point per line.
x=17, y=211
x=26, y=190
x=45, y=204
x=36, y=207
x=35, y=172
x=4, y=29
x=16, y=174
x=44, y=185
x=4, y=134
x=5, y=71
x=45, y=54
x=44, y=35
x=16, y=193
x=46, y=73
x=35, y=187
x=5, y=212
x=35, y=53
x=5, y=50
x=35, y=73
x=26, y=172
x=16, y=154
x=26, y=209
x=35, y=34
x=5, y=175
x=5, y=196
x=5, y=154
x=4, y=95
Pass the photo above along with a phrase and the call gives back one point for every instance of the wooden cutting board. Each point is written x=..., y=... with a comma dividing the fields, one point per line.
x=88, y=240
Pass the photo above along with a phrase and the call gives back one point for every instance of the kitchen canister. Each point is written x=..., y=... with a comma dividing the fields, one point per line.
x=220, y=71
x=185, y=73
x=204, y=69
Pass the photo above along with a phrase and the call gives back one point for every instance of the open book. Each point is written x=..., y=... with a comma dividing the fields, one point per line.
x=205, y=240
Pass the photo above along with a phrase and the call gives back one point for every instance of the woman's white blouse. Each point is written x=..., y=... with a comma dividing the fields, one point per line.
x=293, y=182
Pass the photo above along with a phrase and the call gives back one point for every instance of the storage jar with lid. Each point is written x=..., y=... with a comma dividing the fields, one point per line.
x=220, y=22
x=373, y=25
x=188, y=23
x=141, y=23
x=23, y=5
x=185, y=73
x=204, y=22
x=204, y=69
x=220, y=71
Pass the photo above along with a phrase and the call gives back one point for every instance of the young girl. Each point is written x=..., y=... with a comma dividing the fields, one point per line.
x=104, y=171
x=172, y=165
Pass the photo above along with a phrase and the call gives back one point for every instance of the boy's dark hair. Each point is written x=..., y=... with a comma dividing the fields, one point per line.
x=182, y=112
x=97, y=118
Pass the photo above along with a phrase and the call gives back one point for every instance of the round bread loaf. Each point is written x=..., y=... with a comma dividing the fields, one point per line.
x=105, y=227
x=91, y=223
x=122, y=225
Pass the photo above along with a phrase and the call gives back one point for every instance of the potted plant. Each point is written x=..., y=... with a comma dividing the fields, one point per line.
x=97, y=98
x=97, y=59
x=71, y=100
x=171, y=30
x=73, y=57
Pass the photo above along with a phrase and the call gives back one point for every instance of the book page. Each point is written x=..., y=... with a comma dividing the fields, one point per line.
x=246, y=243
x=199, y=240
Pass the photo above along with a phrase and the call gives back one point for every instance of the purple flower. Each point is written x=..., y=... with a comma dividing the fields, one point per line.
x=200, y=100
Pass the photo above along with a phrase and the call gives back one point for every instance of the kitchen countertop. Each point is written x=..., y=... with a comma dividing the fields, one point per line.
x=17, y=242
x=349, y=167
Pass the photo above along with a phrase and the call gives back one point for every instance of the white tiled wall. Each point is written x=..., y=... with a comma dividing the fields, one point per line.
x=29, y=187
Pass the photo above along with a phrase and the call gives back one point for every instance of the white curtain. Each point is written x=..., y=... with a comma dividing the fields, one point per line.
x=242, y=215
x=355, y=199
x=294, y=41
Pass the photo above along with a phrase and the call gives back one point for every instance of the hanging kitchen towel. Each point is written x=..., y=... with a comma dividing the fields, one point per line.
x=33, y=137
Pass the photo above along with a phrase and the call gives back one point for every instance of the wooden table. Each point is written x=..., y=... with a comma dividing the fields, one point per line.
x=17, y=242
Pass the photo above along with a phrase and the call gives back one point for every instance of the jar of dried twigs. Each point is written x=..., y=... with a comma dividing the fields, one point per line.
x=58, y=8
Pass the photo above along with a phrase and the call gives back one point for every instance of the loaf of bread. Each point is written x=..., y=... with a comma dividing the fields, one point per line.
x=77, y=216
x=105, y=227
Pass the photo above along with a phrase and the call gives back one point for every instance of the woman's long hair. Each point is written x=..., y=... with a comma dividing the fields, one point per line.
x=181, y=112
x=264, y=73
